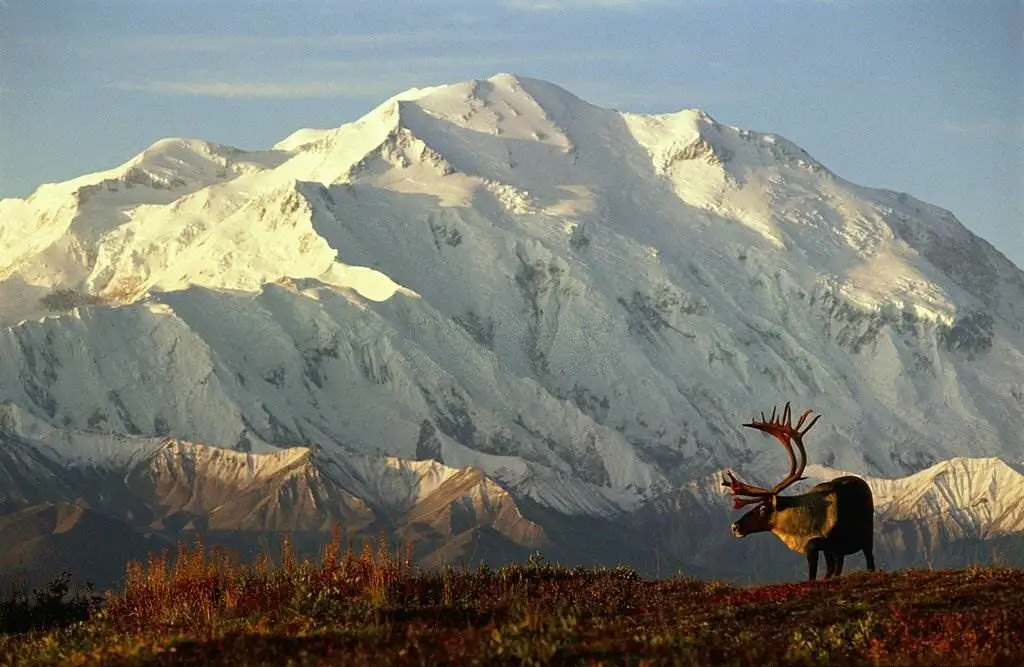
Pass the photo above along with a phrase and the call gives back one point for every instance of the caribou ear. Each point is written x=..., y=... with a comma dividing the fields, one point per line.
x=775, y=502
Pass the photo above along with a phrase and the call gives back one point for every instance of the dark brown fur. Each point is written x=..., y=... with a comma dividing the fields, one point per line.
x=835, y=518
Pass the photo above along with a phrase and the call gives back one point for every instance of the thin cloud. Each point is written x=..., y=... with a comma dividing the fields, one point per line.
x=259, y=89
x=979, y=128
x=576, y=5
x=357, y=77
x=204, y=44
x=213, y=43
x=482, y=62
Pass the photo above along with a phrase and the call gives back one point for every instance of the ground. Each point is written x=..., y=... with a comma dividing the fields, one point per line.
x=375, y=608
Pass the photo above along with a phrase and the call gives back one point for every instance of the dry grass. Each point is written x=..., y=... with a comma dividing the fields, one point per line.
x=374, y=608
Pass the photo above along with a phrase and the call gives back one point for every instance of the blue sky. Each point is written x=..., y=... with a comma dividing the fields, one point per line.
x=923, y=97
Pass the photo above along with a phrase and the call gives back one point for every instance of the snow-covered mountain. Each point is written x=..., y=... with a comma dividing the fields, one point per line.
x=579, y=304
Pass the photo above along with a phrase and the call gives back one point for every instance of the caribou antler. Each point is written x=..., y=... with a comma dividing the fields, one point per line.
x=784, y=431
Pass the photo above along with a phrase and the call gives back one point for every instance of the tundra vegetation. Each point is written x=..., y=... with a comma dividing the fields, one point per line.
x=376, y=608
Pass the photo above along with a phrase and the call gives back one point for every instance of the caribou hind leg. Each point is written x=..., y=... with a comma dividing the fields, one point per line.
x=830, y=565
x=839, y=565
x=870, y=558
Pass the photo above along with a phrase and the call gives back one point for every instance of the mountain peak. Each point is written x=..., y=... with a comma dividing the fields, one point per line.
x=499, y=314
x=505, y=106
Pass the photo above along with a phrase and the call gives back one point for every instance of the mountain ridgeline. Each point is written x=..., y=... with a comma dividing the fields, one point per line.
x=490, y=318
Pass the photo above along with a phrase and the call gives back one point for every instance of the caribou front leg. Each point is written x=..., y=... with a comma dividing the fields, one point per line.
x=813, y=547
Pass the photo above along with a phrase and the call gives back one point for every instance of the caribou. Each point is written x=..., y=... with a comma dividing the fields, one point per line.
x=835, y=518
